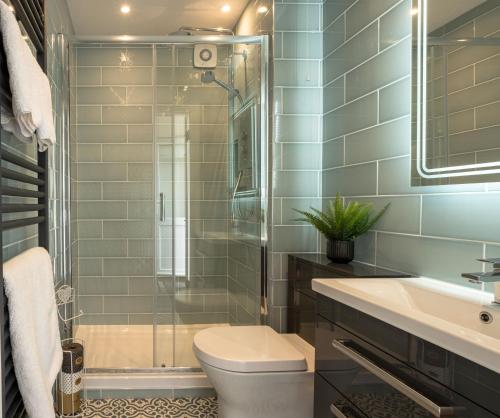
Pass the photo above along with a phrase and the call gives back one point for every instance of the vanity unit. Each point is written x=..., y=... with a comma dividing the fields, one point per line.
x=302, y=268
x=405, y=348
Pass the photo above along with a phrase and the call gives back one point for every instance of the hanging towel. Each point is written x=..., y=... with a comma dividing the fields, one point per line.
x=30, y=88
x=34, y=328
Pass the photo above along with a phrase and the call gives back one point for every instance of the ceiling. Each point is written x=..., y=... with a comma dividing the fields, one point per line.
x=441, y=12
x=150, y=17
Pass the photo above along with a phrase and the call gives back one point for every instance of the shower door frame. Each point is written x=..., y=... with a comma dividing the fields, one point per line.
x=264, y=135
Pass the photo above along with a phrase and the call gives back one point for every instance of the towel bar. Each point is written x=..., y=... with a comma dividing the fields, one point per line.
x=31, y=14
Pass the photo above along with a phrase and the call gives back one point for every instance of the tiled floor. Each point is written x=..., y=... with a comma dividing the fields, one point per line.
x=119, y=346
x=152, y=408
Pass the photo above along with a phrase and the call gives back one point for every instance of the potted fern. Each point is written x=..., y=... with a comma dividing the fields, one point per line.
x=340, y=224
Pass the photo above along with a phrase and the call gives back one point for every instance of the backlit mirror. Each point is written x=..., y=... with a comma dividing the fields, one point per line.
x=456, y=91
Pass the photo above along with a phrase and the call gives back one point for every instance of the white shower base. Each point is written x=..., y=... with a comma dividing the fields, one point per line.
x=131, y=346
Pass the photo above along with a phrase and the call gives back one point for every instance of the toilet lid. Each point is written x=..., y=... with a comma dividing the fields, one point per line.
x=247, y=349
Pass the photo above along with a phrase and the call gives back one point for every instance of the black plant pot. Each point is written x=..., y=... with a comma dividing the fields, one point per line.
x=340, y=251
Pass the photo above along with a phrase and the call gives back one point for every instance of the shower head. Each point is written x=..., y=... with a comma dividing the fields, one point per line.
x=188, y=30
x=209, y=77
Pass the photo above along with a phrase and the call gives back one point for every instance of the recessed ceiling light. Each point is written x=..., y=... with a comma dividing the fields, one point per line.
x=414, y=11
x=11, y=8
x=125, y=9
x=226, y=8
x=262, y=9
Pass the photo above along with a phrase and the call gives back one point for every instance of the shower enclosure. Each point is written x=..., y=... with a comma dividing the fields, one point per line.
x=170, y=194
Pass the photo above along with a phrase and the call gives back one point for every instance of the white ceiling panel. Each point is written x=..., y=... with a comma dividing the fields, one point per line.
x=150, y=17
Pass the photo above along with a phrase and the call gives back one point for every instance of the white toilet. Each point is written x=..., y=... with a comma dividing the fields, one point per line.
x=256, y=372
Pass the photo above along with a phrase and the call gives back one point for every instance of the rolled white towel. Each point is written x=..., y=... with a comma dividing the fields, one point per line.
x=30, y=88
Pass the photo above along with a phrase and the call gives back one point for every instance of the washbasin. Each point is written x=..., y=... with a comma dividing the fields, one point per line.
x=462, y=320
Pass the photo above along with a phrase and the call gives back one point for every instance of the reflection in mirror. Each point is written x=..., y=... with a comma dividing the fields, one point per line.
x=456, y=91
x=244, y=150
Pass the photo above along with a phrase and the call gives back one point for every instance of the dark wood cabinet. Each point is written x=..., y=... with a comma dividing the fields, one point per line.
x=367, y=368
x=302, y=268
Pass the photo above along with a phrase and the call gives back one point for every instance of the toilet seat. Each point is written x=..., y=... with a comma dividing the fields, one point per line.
x=247, y=349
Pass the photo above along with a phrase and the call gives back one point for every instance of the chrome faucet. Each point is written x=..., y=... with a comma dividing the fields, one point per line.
x=488, y=277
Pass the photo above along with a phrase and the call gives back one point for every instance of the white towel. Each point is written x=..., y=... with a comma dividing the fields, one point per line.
x=34, y=328
x=30, y=88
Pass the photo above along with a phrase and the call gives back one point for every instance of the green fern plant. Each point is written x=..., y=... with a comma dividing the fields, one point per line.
x=340, y=222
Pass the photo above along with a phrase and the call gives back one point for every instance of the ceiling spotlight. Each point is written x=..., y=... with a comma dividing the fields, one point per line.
x=125, y=9
x=414, y=11
x=262, y=9
x=226, y=8
x=11, y=8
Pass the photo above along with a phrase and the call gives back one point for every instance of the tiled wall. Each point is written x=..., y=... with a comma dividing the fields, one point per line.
x=59, y=34
x=434, y=231
x=114, y=128
x=192, y=121
x=245, y=225
x=117, y=88
x=296, y=172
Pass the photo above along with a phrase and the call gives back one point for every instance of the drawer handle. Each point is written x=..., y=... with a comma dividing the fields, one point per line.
x=395, y=383
x=337, y=413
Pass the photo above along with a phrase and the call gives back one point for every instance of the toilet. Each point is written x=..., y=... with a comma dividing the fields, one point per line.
x=256, y=372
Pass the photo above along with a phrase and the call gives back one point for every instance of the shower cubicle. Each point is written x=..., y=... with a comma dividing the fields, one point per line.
x=169, y=193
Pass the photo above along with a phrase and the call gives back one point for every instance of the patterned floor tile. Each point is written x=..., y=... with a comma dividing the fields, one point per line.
x=152, y=408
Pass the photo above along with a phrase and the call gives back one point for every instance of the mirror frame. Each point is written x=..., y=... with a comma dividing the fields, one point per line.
x=419, y=80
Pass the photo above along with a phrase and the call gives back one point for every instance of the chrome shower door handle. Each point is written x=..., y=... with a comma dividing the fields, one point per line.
x=162, y=207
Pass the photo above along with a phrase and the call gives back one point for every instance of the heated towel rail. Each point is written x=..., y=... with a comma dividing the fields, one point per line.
x=24, y=178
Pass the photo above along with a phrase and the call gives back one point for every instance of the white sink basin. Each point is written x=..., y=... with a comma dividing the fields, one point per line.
x=444, y=314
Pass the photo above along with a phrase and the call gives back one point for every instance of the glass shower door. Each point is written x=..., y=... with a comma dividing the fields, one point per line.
x=208, y=221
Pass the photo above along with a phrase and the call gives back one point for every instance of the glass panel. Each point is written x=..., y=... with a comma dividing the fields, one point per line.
x=115, y=200
x=207, y=129
x=170, y=224
x=244, y=231
x=168, y=243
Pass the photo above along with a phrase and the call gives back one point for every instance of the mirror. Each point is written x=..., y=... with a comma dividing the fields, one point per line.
x=243, y=179
x=456, y=91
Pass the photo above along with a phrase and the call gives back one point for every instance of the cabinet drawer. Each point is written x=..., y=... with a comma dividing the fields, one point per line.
x=329, y=403
x=460, y=375
x=379, y=384
x=304, y=316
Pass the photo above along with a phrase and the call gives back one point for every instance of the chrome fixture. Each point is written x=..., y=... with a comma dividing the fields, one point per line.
x=187, y=30
x=487, y=277
x=209, y=77
x=233, y=198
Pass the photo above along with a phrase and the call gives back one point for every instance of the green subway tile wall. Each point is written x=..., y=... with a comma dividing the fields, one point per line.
x=118, y=147
x=437, y=231
x=297, y=137
x=192, y=139
x=114, y=128
x=244, y=225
